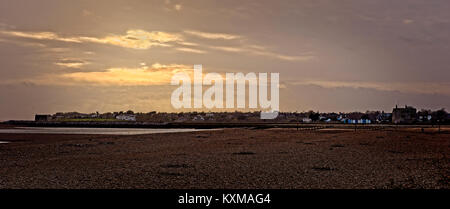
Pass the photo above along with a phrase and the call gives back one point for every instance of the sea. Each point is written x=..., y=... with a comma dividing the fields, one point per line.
x=103, y=131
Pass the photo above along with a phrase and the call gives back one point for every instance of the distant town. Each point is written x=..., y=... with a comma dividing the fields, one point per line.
x=399, y=115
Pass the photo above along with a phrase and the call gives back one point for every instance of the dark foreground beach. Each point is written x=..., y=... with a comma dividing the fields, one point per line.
x=229, y=158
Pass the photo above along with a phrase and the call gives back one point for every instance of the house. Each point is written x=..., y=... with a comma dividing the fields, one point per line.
x=407, y=114
x=348, y=121
x=307, y=120
x=127, y=117
x=76, y=115
x=364, y=121
x=198, y=118
x=425, y=118
x=384, y=117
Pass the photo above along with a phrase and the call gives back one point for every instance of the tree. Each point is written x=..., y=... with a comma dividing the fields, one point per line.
x=314, y=116
x=441, y=115
x=365, y=116
x=423, y=113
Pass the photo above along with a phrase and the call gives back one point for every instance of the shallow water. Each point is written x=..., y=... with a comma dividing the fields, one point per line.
x=104, y=131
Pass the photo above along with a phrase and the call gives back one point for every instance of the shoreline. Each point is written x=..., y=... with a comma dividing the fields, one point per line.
x=209, y=125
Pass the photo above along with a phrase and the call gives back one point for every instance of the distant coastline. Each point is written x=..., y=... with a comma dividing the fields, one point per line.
x=203, y=125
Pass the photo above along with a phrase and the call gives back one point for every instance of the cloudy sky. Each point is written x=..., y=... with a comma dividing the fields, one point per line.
x=109, y=55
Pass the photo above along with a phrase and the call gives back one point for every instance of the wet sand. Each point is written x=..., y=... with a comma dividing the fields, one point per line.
x=229, y=158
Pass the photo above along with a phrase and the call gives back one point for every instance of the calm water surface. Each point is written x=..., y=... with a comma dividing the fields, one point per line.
x=105, y=131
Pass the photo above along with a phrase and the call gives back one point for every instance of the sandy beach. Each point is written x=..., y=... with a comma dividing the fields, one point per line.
x=229, y=158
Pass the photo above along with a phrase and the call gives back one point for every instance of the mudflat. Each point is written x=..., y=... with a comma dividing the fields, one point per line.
x=229, y=158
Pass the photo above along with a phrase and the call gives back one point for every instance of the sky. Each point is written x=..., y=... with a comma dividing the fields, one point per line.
x=110, y=55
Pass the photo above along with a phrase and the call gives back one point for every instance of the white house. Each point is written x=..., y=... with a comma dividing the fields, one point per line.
x=126, y=117
x=199, y=117
x=306, y=120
